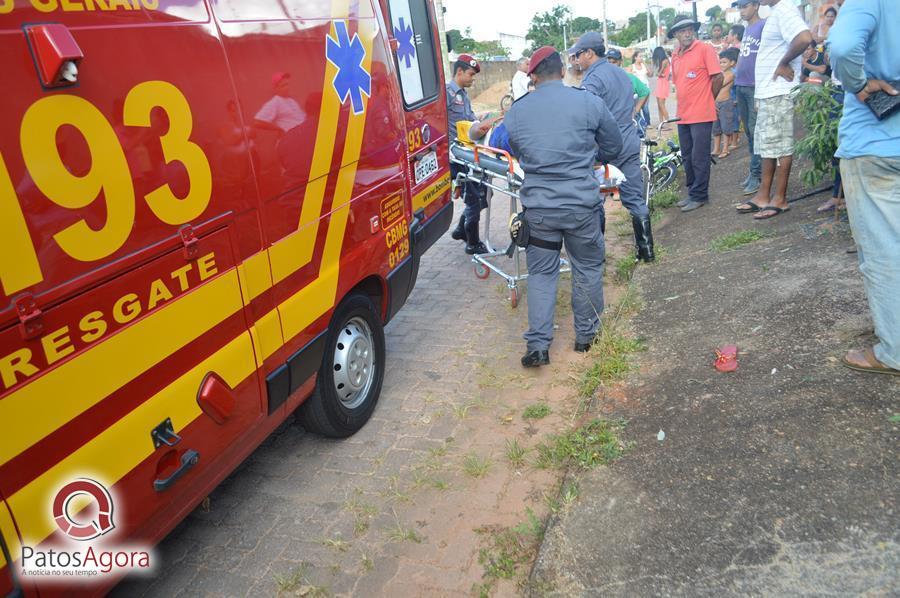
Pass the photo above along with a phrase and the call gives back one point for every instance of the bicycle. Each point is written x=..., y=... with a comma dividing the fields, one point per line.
x=659, y=167
x=506, y=101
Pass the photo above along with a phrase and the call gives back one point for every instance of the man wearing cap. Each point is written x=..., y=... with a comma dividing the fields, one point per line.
x=745, y=85
x=459, y=108
x=557, y=133
x=698, y=79
x=614, y=87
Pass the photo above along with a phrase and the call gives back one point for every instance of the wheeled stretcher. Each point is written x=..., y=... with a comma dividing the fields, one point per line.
x=501, y=173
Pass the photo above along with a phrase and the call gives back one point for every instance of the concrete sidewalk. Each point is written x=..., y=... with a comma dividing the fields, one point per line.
x=778, y=479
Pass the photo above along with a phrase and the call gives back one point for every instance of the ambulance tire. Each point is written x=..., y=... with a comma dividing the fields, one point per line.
x=348, y=387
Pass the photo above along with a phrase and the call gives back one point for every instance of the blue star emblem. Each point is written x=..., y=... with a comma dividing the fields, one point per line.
x=352, y=80
x=406, y=50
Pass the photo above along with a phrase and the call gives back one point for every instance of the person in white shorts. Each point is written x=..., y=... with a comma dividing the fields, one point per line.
x=784, y=38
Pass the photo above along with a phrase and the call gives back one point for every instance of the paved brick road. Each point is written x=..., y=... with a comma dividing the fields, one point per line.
x=391, y=510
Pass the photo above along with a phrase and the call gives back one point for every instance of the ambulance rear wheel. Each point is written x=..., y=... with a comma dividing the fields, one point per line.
x=352, y=371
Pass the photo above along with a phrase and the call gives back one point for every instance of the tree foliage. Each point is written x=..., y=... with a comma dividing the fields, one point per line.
x=714, y=13
x=580, y=25
x=635, y=31
x=464, y=43
x=546, y=28
x=821, y=113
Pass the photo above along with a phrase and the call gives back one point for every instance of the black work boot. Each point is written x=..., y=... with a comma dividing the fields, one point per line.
x=643, y=238
x=533, y=359
x=459, y=233
x=473, y=242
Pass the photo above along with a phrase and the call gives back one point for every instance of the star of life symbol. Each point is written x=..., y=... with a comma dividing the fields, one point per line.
x=352, y=80
x=406, y=49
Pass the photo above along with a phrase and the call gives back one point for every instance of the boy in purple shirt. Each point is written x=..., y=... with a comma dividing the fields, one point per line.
x=745, y=83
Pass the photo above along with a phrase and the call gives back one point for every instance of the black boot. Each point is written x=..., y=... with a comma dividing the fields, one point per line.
x=459, y=233
x=473, y=242
x=533, y=359
x=643, y=238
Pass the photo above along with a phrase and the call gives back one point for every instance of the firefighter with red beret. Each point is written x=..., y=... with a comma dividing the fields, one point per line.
x=558, y=133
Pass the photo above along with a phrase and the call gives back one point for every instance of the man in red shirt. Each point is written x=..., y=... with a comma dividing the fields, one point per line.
x=698, y=79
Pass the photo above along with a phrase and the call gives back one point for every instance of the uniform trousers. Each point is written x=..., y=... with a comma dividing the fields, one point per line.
x=631, y=192
x=580, y=232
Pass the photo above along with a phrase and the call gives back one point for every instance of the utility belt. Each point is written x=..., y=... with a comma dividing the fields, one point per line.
x=520, y=233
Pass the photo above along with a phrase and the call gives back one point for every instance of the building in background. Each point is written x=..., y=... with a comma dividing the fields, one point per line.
x=516, y=44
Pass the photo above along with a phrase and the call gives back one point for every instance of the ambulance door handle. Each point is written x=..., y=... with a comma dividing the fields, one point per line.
x=188, y=460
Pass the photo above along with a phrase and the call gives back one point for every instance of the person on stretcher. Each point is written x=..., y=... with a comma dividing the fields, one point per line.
x=497, y=137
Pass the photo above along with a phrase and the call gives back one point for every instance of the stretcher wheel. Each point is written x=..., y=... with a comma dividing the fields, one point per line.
x=481, y=271
x=514, y=297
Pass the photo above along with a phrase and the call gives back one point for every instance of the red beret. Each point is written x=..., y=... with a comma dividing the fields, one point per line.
x=470, y=60
x=539, y=56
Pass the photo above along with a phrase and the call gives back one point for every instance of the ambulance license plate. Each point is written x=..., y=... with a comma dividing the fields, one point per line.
x=426, y=166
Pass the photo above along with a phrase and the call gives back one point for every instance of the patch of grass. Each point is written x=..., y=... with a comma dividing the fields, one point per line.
x=612, y=352
x=398, y=533
x=594, y=443
x=625, y=268
x=536, y=411
x=366, y=564
x=394, y=492
x=336, y=544
x=570, y=493
x=734, y=240
x=362, y=513
x=515, y=453
x=476, y=466
x=297, y=582
x=506, y=551
x=665, y=198
x=894, y=419
x=461, y=411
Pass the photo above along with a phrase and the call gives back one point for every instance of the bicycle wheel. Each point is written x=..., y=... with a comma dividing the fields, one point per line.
x=662, y=177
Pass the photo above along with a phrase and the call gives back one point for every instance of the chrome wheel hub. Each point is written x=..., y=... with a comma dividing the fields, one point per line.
x=353, y=363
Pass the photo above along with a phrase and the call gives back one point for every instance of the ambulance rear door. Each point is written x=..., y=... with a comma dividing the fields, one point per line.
x=417, y=53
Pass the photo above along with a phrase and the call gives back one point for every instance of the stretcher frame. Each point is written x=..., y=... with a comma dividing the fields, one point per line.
x=475, y=172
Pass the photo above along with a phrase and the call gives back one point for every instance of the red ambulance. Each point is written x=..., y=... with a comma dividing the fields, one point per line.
x=209, y=209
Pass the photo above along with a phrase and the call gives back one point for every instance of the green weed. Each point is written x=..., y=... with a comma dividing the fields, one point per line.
x=476, y=466
x=536, y=411
x=398, y=533
x=625, y=268
x=665, y=198
x=735, y=240
x=515, y=453
x=595, y=443
x=506, y=551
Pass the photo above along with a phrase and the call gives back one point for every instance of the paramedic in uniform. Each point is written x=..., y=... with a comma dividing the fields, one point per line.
x=613, y=85
x=459, y=108
x=557, y=133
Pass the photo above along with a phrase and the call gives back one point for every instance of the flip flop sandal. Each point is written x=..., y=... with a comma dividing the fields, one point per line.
x=776, y=211
x=726, y=358
x=723, y=156
x=873, y=366
x=748, y=210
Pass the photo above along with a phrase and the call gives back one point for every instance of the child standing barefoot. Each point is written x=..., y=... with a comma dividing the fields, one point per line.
x=723, y=127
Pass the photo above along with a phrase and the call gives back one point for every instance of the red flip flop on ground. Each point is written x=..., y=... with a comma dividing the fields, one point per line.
x=726, y=358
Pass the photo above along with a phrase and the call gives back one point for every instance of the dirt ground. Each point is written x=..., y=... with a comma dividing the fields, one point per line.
x=778, y=479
